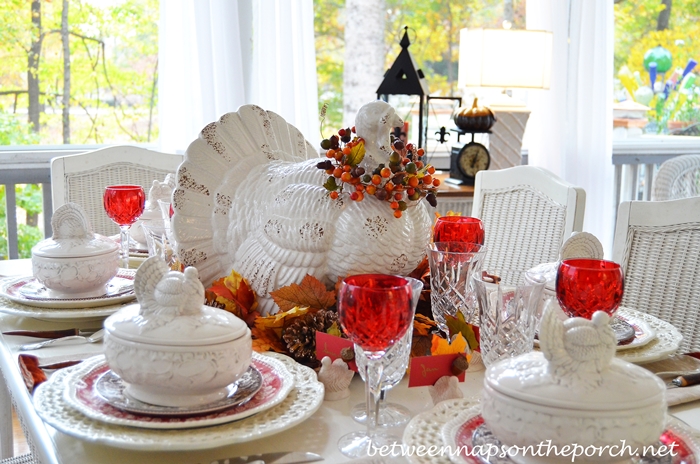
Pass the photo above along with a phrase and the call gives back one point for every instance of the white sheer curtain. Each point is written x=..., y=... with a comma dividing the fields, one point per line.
x=570, y=128
x=216, y=55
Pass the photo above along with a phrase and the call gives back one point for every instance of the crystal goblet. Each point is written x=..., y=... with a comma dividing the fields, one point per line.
x=375, y=311
x=395, y=364
x=508, y=302
x=451, y=265
x=124, y=204
x=585, y=286
x=459, y=229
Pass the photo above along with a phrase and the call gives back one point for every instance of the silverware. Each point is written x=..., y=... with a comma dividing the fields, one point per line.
x=52, y=333
x=94, y=338
x=288, y=457
x=685, y=380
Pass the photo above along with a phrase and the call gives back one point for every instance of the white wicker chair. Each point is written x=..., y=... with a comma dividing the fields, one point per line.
x=658, y=245
x=82, y=178
x=528, y=213
x=677, y=178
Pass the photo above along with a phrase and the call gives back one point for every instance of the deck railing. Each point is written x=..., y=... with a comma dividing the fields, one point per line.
x=635, y=161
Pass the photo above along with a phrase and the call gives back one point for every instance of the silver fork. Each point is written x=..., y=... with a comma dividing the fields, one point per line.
x=94, y=338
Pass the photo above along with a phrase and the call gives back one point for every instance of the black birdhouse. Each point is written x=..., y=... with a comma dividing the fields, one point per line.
x=404, y=78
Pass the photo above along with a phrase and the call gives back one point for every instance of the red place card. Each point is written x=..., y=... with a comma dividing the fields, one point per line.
x=330, y=345
x=426, y=370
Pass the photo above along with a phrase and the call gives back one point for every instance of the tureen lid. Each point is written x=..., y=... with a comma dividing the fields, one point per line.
x=211, y=326
x=622, y=386
x=171, y=310
x=576, y=370
x=73, y=236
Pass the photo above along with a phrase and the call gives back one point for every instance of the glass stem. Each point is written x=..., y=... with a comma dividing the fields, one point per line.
x=373, y=377
x=124, y=239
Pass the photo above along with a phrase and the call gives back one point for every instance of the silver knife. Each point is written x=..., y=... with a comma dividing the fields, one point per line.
x=287, y=457
x=52, y=333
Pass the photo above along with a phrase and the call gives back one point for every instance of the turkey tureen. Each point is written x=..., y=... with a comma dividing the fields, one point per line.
x=250, y=198
x=574, y=392
x=170, y=349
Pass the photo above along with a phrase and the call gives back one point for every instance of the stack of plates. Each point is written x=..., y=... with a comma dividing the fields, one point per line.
x=456, y=436
x=88, y=402
x=26, y=297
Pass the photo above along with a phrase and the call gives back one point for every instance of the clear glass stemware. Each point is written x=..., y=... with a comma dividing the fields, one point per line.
x=375, y=311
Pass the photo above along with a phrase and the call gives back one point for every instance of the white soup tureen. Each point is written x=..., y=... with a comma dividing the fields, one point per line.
x=75, y=262
x=574, y=392
x=170, y=348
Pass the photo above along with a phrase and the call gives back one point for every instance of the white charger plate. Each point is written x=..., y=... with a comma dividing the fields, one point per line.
x=301, y=403
x=16, y=289
x=425, y=429
x=664, y=344
x=457, y=435
x=80, y=393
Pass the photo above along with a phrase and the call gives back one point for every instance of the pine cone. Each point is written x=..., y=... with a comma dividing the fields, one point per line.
x=300, y=335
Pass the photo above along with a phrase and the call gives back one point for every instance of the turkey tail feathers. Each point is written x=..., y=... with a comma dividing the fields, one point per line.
x=215, y=170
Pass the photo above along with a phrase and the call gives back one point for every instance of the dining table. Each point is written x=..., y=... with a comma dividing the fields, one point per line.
x=318, y=433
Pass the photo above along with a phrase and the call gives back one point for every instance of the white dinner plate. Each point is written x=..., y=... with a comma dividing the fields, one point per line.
x=112, y=389
x=80, y=393
x=28, y=292
x=301, y=403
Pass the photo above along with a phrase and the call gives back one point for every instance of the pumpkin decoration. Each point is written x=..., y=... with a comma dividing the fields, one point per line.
x=474, y=119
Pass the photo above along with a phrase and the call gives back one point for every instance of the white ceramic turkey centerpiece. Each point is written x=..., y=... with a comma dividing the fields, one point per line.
x=574, y=392
x=171, y=349
x=250, y=198
x=74, y=262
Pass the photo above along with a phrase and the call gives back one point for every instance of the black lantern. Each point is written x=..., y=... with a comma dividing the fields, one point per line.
x=403, y=78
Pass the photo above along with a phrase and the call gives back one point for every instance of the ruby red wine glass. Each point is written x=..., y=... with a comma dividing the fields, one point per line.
x=124, y=205
x=375, y=311
x=459, y=229
x=585, y=286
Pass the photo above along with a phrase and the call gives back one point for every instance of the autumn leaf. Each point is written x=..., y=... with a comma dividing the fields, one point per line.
x=422, y=325
x=334, y=330
x=458, y=325
x=421, y=270
x=277, y=322
x=310, y=293
x=441, y=346
x=357, y=154
x=420, y=346
x=233, y=294
x=266, y=339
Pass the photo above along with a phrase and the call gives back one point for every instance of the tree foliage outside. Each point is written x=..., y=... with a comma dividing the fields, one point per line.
x=74, y=71
x=434, y=34
x=639, y=27
x=112, y=73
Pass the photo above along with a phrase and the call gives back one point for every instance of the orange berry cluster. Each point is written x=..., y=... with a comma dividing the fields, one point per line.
x=405, y=179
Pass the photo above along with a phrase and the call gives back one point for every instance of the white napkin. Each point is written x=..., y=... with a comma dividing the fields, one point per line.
x=682, y=395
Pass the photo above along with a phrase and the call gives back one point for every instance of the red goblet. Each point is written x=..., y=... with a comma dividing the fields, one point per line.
x=124, y=205
x=585, y=286
x=459, y=229
x=375, y=311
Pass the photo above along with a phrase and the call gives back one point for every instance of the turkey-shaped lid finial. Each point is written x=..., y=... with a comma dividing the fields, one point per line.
x=71, y=221
x=171, y=310
x=161, y=291
x=72, y=236
x=577, y=347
